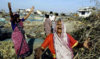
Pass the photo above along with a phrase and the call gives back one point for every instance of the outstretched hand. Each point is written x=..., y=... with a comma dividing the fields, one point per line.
x=10, y=11
x=32, y=8
x=38, y=53
x=9, y=4
x=86, y=43
x=29, y=13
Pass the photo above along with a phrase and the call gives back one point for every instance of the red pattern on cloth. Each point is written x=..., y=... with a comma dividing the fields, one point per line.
x=17, y=37
x=71, y=40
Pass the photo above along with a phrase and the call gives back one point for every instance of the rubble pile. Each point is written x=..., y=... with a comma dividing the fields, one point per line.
x=92, y=31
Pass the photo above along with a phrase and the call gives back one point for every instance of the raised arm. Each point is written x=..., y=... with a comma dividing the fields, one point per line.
x=28, y=13
x=10, y=10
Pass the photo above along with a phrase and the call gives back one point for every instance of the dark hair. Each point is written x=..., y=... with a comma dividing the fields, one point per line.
x=15, y=16
x=46, y=15
x=56, y=14
x=59, y=20
x=51, y=12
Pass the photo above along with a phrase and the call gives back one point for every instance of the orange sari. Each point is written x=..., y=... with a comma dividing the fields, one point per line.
x=48, y=42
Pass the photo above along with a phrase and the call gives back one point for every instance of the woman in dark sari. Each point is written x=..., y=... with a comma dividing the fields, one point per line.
x=18, y=37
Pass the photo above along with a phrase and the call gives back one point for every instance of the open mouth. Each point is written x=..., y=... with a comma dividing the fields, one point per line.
x=59, y=28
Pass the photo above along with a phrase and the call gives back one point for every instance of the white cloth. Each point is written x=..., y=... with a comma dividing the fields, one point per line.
x=62, y=49
x=52, y=17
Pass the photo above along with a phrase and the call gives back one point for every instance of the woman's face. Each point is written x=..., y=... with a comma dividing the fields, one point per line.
x=59, y=27
x=16, y=18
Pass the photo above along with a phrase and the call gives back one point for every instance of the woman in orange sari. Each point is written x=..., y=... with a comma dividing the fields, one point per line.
x=60, y=43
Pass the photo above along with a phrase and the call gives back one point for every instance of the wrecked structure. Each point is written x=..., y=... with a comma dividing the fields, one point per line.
x=86, y=12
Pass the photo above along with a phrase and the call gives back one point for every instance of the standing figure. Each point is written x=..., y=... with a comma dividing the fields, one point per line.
x=18, y=37
x=52, y=18
x=47, y=25
x=56, y=16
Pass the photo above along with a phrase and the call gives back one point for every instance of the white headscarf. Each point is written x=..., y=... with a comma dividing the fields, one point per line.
x=61, y=44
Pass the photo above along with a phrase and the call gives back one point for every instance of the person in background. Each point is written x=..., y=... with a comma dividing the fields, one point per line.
x=60, y=43
x=18, y=37
x=51, y=16
x=53, y=22
x=56, y=16
x=47, y=25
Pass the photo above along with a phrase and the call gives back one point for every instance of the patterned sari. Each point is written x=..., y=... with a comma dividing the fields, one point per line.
x=20, y=44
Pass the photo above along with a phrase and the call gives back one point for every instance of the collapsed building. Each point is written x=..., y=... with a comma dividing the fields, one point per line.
x=86, y=12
